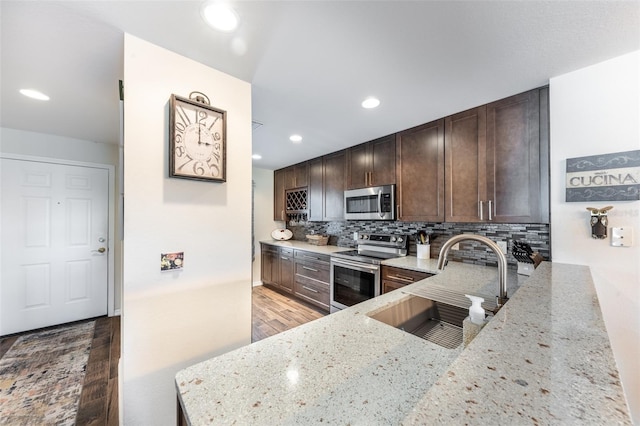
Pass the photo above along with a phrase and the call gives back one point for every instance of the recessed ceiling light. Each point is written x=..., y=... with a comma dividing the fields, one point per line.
x=295, y=138
x=34, y=94
x=256, y=157
x=370, y=102
x=220, y=16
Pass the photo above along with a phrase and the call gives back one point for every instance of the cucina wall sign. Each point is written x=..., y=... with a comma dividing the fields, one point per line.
x=606, y=177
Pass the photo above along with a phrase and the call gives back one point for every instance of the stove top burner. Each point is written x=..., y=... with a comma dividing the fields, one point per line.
x=373, y=248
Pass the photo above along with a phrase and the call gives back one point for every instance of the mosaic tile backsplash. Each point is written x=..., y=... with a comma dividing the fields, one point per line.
x=341, y=234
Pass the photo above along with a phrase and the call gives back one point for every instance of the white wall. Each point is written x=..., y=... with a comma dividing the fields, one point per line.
x=32, y=144
x=172, y=320
x=263, y=210
x=596, y=110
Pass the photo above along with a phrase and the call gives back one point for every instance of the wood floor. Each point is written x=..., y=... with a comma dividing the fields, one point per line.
x=272, y=313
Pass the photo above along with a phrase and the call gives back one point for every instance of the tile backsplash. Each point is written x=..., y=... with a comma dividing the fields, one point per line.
x=341, y=234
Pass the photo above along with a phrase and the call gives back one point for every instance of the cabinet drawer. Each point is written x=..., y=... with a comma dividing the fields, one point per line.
x=286, y=252
x=388, y=286
x=314, y=291
x=404, y=276
x=315, y=270
x=269, y=248
x=314, y=257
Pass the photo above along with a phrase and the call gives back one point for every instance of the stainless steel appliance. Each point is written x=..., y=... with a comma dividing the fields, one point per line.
x=375, y=203
x=355, y=274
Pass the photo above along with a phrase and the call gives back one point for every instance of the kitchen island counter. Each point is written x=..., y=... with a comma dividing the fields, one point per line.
x=544, y=358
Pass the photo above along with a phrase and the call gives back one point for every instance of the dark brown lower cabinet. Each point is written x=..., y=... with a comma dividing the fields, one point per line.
x=286, y=270
x=304, y=274
x=270, y=265
x=394, y=278
x=312, y=278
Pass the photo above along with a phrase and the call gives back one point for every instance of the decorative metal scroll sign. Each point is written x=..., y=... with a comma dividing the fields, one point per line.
x=606, y=177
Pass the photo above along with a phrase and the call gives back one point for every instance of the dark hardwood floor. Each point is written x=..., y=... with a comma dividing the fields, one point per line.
x=272, y=313
x=99, y=398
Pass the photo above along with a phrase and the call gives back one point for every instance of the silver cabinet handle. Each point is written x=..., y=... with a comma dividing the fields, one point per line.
x=490, y=210
x=310, y=289
x=401, y=278
x=309, y=269
x=481, y=209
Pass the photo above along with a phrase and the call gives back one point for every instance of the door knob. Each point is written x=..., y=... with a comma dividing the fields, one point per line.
x=100, y=250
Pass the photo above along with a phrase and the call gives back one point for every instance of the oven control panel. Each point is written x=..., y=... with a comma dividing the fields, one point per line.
x=386, y=240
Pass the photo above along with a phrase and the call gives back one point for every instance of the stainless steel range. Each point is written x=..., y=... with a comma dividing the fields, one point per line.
x=355, y=274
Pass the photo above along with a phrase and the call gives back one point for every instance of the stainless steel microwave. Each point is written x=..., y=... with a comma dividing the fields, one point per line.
x=375, y=203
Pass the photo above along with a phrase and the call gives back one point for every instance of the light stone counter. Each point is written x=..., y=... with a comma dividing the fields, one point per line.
x=544, y=358
x=303, y=245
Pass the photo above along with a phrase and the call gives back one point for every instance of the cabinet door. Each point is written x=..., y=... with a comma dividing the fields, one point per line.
x=465, y=171
x=296, y=176
x=383, y=161
x=358, y=166
x=334, y=174
x=269, y=265
x=513, y=159
x=315, y=194
x=278, y=195
x=420, y=176
x=286, y=270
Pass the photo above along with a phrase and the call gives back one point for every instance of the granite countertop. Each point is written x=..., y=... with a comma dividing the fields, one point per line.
x=544, y=358
x=303, y=245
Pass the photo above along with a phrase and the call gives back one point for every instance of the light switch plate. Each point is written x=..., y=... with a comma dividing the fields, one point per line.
x=622, y=236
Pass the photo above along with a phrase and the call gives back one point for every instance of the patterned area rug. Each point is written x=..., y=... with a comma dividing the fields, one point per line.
x=41, y=376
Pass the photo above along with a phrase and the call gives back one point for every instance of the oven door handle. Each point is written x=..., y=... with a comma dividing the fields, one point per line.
x=354, y=265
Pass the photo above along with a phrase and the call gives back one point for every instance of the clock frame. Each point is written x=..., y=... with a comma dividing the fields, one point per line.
x=197, y=139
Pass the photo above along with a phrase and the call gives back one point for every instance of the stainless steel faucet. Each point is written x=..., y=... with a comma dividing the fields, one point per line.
x=502, y=260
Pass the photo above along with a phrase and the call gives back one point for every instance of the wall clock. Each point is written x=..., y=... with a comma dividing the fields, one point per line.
x=197, y=139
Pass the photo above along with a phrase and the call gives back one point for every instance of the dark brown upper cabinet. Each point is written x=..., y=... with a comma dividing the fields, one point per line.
x=496, y=161
x=420, y=173
x=296, y=176
x=372, y=163
x=334, y=174
x=326, y=187
x=279, y=203
x=315, y=196
x=465, y=174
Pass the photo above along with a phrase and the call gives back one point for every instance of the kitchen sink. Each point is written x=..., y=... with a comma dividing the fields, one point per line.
x=437, y=322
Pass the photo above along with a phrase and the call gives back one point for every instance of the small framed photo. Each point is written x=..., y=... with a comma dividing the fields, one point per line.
x=171, y=261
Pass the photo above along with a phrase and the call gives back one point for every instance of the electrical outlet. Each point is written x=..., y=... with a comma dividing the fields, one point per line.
x=456, y=246
x=503, y=246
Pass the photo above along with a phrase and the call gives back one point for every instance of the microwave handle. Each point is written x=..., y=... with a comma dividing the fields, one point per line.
x=380, y=213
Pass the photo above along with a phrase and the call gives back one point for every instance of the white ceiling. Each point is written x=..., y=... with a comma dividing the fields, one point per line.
x=310, y=63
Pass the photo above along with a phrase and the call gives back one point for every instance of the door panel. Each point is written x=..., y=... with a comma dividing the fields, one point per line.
x=420, y=165
x=54, y=239
x=465, y=157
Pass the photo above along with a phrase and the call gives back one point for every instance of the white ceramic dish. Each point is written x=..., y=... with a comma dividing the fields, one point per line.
x=281, y=234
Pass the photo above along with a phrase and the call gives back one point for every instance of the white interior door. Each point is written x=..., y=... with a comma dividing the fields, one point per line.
x=54, y=230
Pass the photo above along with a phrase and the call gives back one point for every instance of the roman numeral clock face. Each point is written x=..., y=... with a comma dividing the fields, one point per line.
x=198, y=140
